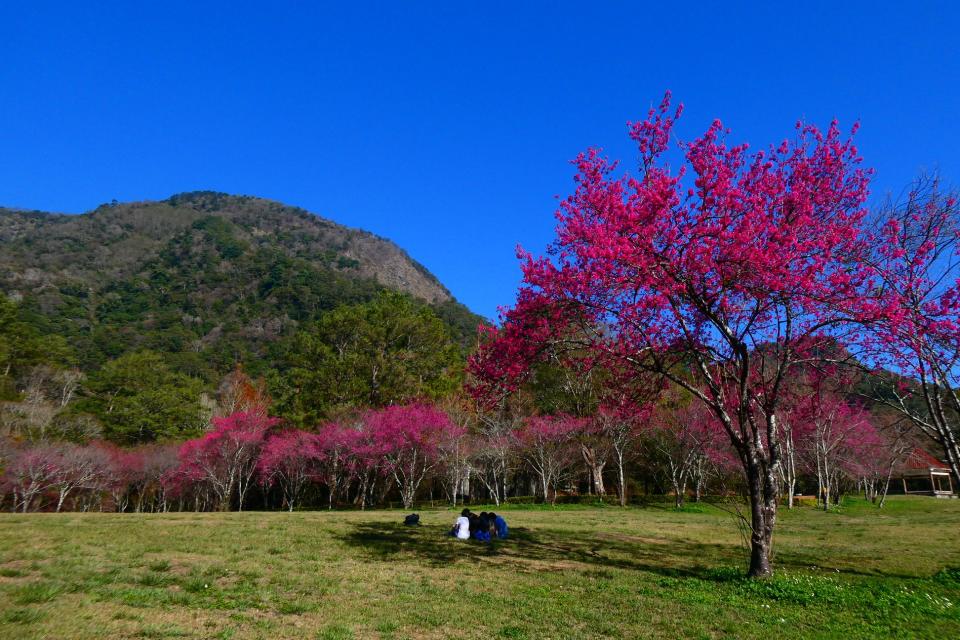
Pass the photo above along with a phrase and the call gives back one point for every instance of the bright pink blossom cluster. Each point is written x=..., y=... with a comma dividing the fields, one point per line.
x=712, y=276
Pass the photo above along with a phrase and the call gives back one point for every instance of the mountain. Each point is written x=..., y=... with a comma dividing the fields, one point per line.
x=215, y=278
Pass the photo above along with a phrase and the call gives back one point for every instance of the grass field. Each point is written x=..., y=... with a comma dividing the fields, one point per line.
x=574, y=572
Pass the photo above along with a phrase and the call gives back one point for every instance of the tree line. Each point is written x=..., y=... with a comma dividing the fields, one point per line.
x=566, y=432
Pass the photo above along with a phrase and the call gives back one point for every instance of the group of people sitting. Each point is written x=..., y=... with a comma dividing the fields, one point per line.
x=484, y=527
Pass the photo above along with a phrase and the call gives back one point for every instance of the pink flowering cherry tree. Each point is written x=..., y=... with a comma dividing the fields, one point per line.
x=410, y=437
x=291, y=460
x=621, y=423
x=78, y=467
x=335, y=464
x=839, y=432
x=30, y=473
x=916, y=263
x=225, y=458
x=684, y=441
x=688, y=272
x=159, y=464
x=548, y=445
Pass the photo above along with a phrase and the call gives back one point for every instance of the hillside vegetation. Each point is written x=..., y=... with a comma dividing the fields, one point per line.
x=167, y=298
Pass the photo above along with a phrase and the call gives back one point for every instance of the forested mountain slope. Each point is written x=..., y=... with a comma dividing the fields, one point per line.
x=207, y=278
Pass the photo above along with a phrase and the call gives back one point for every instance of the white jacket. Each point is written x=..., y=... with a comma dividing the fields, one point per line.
x=463, y=528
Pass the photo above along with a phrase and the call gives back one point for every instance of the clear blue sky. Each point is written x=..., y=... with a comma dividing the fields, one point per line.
x=445, y=126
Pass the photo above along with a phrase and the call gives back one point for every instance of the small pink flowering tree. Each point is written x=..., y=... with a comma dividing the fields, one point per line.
x=30, y=473
x=548, y=445
x=335, y=465
x=365, y=457
x=877, y=455
x=225, y=458
x=620, y=423
x=410, y=437
x=683, y=439
x=795, y=429
x=865, y=457
x=124, y=470
x=78, y=467
x=291, y=459
x=159, y=463
x=688, y=273
x=838, y=429
x=916, y=264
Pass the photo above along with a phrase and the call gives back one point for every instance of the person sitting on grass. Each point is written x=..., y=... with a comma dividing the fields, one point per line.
x=499, y=525
x=482, y=531
x=474, y=525
x=461, y=528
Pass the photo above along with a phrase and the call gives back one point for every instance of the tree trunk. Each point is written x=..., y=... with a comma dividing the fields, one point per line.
x=598, y=479
x=886, y=485
x=363, y=491
x=622, y=486
x=763, y=514
x=62, y=497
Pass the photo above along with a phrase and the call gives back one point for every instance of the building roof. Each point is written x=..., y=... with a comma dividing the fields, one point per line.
x=920, y=459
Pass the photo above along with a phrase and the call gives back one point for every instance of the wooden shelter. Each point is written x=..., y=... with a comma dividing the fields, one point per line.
x=922, y=474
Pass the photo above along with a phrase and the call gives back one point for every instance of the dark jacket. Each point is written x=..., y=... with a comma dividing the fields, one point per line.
x=501, y=526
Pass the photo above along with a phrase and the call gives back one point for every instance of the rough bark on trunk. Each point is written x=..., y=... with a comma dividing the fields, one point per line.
x=763, y=513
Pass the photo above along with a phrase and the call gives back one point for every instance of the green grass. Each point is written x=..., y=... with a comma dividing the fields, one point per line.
x=568, y=572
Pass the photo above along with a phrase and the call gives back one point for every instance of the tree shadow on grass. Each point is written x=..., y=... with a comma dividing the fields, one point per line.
x=539, y=550
x=528, y=550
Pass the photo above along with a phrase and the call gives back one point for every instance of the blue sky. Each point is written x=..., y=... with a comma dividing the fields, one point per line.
x=445, y=126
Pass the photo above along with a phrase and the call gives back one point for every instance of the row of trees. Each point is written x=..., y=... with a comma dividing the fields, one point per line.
x=406, y=451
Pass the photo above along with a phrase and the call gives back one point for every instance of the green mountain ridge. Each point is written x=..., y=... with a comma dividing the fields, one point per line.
x=208, y=278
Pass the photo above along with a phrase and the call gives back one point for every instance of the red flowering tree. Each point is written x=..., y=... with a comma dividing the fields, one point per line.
x=364, y=456
x=620, y=423
x=410, y=437
x=876, y=456
x=866, y=456
x=683, y=442
x=917, y=269
x=225, y=458
x=124, y=470
x=687, y=273
x=160, y=462
x=29, y=474
x=840, y=433
x=548, y=445
x=290, y=459
x=78, y=467
x=335, y=464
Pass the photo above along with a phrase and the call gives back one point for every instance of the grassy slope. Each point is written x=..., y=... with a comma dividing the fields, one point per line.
x=571, y=573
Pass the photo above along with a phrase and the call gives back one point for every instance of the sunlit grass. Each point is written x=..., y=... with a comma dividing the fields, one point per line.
x=569, y=572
